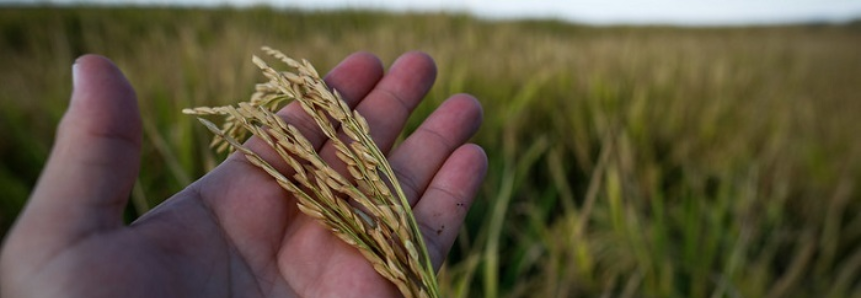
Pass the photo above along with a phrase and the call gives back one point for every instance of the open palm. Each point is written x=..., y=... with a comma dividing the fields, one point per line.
x=234, y=232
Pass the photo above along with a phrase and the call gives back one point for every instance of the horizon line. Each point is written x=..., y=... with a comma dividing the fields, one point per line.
x=846, y=19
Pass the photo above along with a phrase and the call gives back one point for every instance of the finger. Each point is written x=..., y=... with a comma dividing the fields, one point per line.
x=420, y=156
x=392, y=101
x=353, y=78
x=390, y=104
x=442, y=208
x=95, y=159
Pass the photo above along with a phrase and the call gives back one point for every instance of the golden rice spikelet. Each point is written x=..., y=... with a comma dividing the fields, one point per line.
x=365, y=206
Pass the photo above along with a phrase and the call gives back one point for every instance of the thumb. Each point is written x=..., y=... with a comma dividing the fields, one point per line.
x=95, y=159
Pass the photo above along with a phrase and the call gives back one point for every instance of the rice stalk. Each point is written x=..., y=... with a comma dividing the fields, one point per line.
x=366, y=208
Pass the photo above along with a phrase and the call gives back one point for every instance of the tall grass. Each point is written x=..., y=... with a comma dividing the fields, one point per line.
x=624, y=162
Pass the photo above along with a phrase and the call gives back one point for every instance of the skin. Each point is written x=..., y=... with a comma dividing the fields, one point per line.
x=234, y=232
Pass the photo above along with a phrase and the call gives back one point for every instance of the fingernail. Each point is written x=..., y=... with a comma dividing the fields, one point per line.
x=75, y=75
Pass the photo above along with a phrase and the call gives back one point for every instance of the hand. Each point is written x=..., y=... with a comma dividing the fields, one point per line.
x=234, y=232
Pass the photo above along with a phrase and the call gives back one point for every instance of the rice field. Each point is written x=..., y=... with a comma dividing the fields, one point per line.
x=624, y=161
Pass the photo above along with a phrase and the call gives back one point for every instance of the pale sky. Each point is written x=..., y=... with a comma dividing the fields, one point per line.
x=679, y=12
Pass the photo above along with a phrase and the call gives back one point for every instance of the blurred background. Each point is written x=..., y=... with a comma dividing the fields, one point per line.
x=637, y=149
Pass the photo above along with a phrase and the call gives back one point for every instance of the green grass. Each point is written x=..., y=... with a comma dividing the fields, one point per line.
x=624, y=161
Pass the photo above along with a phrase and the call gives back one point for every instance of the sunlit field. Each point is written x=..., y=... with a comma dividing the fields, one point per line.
x=624, y=161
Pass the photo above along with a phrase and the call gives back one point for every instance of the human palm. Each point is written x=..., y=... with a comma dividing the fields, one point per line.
x=234, y=232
